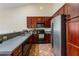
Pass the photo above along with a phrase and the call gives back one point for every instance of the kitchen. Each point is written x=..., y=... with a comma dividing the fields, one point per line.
x=27, y=29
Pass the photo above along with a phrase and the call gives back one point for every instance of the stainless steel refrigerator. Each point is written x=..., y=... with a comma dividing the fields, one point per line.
x=58, y=32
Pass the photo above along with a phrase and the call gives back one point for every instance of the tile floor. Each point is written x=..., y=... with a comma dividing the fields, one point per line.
x=41, y=50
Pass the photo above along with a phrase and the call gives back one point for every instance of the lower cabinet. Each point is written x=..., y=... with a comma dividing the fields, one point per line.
x=26, y=49
x=33, y=39
x=17, y=51
x=23, y=49
x=47, y=37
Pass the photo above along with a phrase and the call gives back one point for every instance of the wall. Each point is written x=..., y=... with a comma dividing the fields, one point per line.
x=56, y=7
x=14, y=19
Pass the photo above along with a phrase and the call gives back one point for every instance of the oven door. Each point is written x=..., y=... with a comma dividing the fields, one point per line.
x=41, y=36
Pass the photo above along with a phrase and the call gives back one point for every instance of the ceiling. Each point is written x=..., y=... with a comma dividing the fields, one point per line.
x=10, y=5
x=13, y=5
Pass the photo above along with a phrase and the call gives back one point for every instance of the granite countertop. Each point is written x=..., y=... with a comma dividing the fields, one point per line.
x=8, y=46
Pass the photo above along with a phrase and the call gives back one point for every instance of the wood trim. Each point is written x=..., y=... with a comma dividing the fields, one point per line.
x=59, y=10
x=73, y=45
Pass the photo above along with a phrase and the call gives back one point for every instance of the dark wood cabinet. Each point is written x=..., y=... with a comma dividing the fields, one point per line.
x=33, y=21
x=17, y=51
x=24, y=48
x=47, y=37
x=33, y=39
x=47, y=22
x=73, y=37
x=29, y=22
x=72, y=27
x=73, y=9
x=40, y=19
x=72, y=50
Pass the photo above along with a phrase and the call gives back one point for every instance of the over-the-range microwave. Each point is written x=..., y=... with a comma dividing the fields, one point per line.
x=40, y=25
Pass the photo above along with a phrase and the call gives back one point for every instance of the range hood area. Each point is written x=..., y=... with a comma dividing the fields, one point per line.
x=40, y=25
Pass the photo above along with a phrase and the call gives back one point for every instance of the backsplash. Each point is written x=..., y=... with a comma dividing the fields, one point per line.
x=7, y=36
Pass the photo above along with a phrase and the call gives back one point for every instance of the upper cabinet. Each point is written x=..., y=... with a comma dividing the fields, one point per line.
x=33, y=21
x=73, y=9
x=28, y=22
x=69, y=9
x=47, y=22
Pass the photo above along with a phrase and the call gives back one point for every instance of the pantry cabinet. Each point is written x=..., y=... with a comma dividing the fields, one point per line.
x=71, y=10
x=73, y=37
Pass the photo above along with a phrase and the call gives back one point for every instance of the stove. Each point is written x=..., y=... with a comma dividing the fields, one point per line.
x=41, y=36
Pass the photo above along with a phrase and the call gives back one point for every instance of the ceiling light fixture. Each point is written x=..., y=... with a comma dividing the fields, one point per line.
x=41, y=7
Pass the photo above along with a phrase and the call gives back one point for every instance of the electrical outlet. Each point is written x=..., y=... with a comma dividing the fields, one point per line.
x=4, y=38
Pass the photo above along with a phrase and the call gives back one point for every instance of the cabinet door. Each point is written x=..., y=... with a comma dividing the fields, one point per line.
x=34, y=22
x=26, y=49
x=47, y=38
x=73, y=9
x=72, y=50
x=43, y=20
x=73, y=31
x=38, y=19
x=73, y=37
x=35, y=38
x=17, y=51
x=30, y=40
x=47, y=22
x=29, y=22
